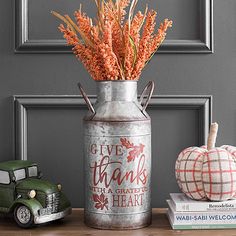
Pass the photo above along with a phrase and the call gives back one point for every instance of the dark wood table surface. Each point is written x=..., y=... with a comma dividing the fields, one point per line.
x=73, y=225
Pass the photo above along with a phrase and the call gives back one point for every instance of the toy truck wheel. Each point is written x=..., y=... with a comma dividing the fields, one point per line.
x=23, y=216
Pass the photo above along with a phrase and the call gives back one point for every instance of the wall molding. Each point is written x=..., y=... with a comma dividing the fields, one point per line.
x=25, y=45
x=22, y=104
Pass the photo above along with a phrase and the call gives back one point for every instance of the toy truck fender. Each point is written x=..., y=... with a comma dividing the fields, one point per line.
x=33, y=204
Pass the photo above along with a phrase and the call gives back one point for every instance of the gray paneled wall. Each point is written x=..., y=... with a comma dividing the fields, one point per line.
x=193, y=31
x=174, y=74
x=48, y=130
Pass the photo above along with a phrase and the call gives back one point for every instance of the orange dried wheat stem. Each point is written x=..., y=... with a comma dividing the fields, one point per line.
x=112, y=47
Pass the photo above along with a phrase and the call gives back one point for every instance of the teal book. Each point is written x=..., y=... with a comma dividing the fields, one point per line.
x=179, y=226
x=201, y=220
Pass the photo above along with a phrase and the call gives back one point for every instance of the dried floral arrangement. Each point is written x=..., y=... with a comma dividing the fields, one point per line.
x=118, y=44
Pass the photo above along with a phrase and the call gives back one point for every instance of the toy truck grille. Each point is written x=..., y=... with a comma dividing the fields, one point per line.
x=52, y=202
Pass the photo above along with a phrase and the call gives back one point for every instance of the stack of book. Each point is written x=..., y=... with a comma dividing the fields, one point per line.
x=185, y=213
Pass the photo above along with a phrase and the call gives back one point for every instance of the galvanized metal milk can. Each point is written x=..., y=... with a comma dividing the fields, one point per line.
x=117, y=156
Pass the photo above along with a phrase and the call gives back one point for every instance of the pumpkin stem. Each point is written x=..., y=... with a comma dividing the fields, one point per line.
x=211, y=141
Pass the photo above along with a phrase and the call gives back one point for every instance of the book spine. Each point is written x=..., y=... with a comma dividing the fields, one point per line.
x=197, y=226
x=204, y=206
x=201, y=224
x=207, y=218
x=205, y=226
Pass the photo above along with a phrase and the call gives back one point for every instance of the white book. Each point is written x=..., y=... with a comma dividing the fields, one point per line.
x=183, y=203
x=201, y=218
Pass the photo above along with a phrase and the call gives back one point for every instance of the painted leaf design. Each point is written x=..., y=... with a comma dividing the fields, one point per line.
x=101, y=201
x=126, y=143
x=135, y=150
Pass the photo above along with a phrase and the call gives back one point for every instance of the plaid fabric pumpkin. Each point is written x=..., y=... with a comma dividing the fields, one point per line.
x=207, y=175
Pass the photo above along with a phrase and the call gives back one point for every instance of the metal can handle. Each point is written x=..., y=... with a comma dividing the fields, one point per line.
x=86, y=99
x=150, y=86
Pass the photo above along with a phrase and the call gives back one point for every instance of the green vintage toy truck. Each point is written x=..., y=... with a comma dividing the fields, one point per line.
x=31, y=200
